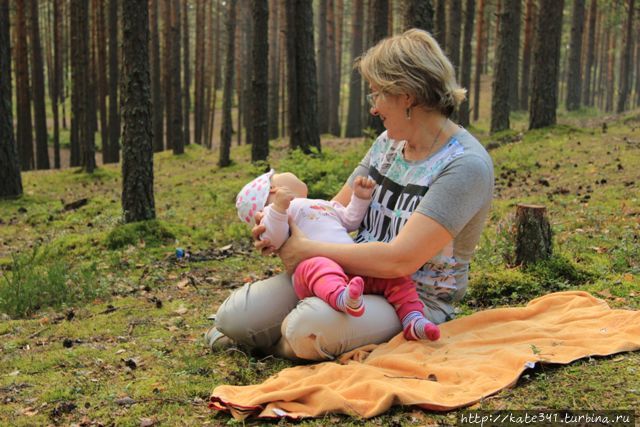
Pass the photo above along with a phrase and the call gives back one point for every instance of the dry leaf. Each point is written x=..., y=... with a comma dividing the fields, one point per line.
x=184, y=283
x=181, y=310
x=628, y=277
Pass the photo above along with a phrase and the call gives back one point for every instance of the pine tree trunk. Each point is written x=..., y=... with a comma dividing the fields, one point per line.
x=333, y=123
x=465, y=69
x=137, y=146
x=506, y=57
x=418, y=14
x=323, y=69
x=514, y=81
x=260, y=88
x=186, y=108
x=23, y=91
x=479, y=63
x=441, y=23
x=167, y=80
x=156, y=89
x=354, y=114
x=575, y=49
x=337, y=84
x=453, y=34
x=218, y=51
x=114, y=117
x=626, y=67
x=587, y=96
x=611, y=56
x=199, y=72
x=274, y=67
x=10, y=179
x=176, y=89
x=546, y=60
x=533, y=235
x=302, y=85
x=381, y=8
x=102, y=80
x=37, y=78
x=56, y=86
x=225, y=132
x=529, y=23
x=211, y=90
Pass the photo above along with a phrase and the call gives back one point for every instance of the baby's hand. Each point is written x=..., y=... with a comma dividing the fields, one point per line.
x=363, y=187
x=283, y=199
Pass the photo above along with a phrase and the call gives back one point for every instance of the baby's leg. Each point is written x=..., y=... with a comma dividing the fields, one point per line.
x=401, y=293
x=325, y=279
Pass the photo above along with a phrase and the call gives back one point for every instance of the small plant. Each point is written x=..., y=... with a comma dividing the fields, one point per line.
x=34, y=282
x=152, y=232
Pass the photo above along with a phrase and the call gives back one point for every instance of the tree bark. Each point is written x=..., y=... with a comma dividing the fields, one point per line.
x=418, y=14
x=587, y=96
x=186, y=108
x=354, y=114
x=529, y=23
x=626, y=67
x=533, y=235
x=137, y=146
x=156, y=89
x=10, y=179
x=381, y=8
x=441, y=24
x=260, y=88
x=102, y=80
x=465, y=69
x=546, y=62
x=301, y=63
x=56, y=86
x=323, y=69
x=333, y=87
x=114, y=116
x=575, y=49
x=37, y=78
x=453, y=34
x=176, y=87
x=199, y=72
x=506, y=57
x=274, y=67
x=225, y=132
x=479, y=60
x=23, y=92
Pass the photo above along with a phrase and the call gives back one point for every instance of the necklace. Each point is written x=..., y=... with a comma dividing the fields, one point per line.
x=435, y=140
x=408, y=148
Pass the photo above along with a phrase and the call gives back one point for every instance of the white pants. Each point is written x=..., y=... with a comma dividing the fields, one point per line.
x=267, y=315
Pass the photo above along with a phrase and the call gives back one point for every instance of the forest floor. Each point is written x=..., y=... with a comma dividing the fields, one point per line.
x=125, y=348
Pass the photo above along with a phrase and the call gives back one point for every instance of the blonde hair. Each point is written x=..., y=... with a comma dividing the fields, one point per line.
x=413, y=63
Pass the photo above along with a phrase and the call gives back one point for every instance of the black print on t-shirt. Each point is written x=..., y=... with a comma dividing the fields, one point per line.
x=391, y=205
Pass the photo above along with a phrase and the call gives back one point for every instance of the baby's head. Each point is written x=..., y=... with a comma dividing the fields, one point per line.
x=260, y=193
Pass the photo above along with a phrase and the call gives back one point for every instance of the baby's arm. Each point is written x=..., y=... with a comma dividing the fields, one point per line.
x=276, y=218
x=352, y=215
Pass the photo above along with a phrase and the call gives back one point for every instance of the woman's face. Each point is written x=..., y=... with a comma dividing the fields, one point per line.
x=392, y=112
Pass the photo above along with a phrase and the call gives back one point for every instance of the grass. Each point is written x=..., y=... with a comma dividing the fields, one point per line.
x=132, y=351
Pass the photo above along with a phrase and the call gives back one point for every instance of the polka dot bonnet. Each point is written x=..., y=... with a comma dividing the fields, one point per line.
x=253, y=196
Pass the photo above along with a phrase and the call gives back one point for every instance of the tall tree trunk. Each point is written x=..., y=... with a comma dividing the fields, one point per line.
x=323, y=69
x=102, y=80
x=156, y=89
x=167, y=78
x=637, y=62
x=575, y=49
x=56, y=85
x=467, y=53
x=479, y=60
x=10, y=180
x=381, y=8
x=441, y=23
x=453, y=34
x=226, y=130
x=274, y=67
x=611, y=72
x=302, y=86
x=587, y=97
x=247, y=55
x=626, y=67
x=186, y=108
x=529, y=23
x=114, y=117
x=137, y=146
x=354, y=114
x=544, y=85
x=218, y=62
x=514, y=68
x=37, y=78
x=333, y=123
x=418, y=14
x=260, y=88
x=199, y=72
x=176, y=89
x=506, y=57
x=211, y=90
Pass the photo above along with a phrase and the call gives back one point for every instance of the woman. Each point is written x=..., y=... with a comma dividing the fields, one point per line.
x=434, y=184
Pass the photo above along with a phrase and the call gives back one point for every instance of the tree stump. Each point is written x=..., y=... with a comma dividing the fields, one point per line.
x=533, y=234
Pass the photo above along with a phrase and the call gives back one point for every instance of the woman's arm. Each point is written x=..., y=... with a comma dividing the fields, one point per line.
x=420, y=239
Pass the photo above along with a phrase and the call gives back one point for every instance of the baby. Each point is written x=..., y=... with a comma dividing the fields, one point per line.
x=282, y=196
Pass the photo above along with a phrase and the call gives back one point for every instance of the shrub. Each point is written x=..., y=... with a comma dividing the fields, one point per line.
x=153, y=233
x=33, y=282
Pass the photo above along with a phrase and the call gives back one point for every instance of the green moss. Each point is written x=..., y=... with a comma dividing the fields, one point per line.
x=152, y=233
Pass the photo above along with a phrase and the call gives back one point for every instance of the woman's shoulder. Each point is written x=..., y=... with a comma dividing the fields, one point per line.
x=469, y=148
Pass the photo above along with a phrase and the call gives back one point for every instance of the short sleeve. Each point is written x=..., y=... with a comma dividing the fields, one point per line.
x=461, y=190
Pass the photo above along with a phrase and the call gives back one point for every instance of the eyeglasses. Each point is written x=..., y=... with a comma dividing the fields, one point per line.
x=372, y=98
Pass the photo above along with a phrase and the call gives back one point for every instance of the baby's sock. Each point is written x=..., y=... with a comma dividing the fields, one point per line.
x=416, y=327
x=350, y=300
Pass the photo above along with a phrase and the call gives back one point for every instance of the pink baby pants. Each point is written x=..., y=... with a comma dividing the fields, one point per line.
x=324, y=278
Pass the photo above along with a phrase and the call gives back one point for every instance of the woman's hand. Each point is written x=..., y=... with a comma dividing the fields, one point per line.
x=263, y=245
x=293, y=251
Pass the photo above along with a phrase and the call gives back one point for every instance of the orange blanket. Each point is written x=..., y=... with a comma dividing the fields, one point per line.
x=476, y=356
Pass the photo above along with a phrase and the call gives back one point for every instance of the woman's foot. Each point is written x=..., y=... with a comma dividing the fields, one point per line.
x=351, y=300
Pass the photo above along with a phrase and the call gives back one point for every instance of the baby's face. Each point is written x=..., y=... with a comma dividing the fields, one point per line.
x=289, y=180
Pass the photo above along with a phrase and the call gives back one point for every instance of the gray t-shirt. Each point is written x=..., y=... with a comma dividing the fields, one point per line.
x=454, y=187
